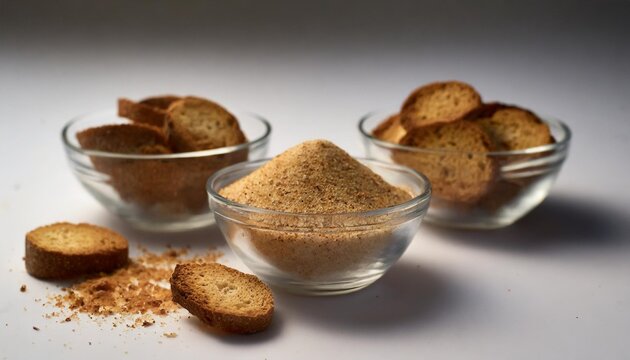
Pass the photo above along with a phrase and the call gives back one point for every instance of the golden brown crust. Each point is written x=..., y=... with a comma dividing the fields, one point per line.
x=141, y=181
x=512, y=127
x=455, y=159
x=161, y=102
x=162, y=186
x=150, y=111
x=51, y=257
x=390, y=130
x=124, y=139
x=194, y=124
x=223, y=297
x=438, y=102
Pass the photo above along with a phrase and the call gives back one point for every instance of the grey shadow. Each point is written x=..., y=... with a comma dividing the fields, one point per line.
x=273, y=331
x=559, y=222
x=407, y=295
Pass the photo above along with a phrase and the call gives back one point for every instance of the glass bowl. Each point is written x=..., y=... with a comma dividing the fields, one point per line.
x=520, y=180
x=157, y=192
x=320, y=254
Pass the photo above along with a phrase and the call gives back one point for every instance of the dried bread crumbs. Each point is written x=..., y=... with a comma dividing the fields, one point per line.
x=317, y=177
x=133, y=295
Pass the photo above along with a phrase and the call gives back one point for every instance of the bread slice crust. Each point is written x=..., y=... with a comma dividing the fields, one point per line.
x=149, y=111
x=124, y=139
x=223, y=297
x=438, y=102
x=64, y=250
x=455, y=159
x=390, y=130
x=512, y=127
x=194, y=124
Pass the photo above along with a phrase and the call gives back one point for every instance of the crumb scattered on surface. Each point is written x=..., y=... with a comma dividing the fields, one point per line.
x=132, y=295
x=35, y=328
x=170, y=335
x=23, y=288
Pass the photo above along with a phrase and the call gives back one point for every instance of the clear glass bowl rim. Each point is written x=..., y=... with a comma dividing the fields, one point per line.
x=65, y=133
x=415, y=202
x=563, y=143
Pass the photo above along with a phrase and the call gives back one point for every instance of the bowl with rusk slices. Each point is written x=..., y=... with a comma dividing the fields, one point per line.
x=148, y=161
x=489, y=163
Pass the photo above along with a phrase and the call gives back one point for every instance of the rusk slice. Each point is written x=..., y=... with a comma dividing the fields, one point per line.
x=438, y=102
x=223, y=297
x=194, y=124
x=390, y=130
x=65, y=250
x=124, y=139
x=453, y=157
x=150, y=111
x=512, y=127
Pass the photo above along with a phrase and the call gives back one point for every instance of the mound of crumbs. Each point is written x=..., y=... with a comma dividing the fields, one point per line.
x=317, y=177
x=133, y=295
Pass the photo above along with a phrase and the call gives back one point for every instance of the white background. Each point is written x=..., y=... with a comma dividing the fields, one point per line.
x=555, y=285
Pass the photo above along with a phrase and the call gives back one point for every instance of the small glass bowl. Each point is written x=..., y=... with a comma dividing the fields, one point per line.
x=157, y=192
x=521, y=179
x=320, y=254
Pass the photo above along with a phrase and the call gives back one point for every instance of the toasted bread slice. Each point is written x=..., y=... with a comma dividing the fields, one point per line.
x=65, y=250
x=223, y=297
x=438, y=102
x=453, y=158
x=194, y=124
x=143, y=182
x=124, y=139
x=512, y=127
x=150, y=111
x=390, y=130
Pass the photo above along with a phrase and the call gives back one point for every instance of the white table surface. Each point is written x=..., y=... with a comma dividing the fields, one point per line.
x=554, y=285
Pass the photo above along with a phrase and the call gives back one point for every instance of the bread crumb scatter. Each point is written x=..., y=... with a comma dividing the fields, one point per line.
x=315, y=177
x=23, y=288
x=35, y=328
x=170, y=335
x=132, y=295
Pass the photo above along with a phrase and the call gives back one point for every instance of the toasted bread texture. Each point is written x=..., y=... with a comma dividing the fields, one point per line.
x=124, y=139
x=438, y=102
x=65, y=250
x=194, y=124
x=512, y=127
x=150, y=111
x=390, y=130
x=453, y=157
x=223, y=297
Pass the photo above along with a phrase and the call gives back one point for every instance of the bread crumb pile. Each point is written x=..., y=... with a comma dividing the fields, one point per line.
x=132, y=294
x=315, y=177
